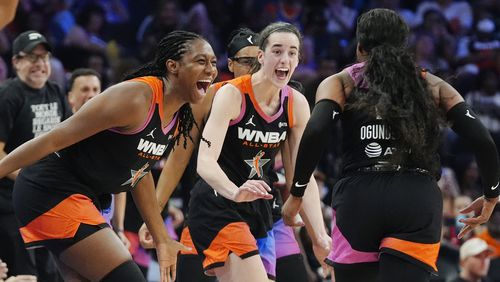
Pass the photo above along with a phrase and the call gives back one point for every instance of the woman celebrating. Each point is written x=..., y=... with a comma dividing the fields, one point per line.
x=387, y=207
x=252, y=117
x=109, y=146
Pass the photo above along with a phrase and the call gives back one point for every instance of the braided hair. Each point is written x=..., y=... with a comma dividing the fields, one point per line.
x=396, y=89
x=172, y=47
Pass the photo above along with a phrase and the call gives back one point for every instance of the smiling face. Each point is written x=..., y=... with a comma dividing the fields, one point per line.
x=84, y=88
x=33, y=68
x=280, y=57
x=197, y=70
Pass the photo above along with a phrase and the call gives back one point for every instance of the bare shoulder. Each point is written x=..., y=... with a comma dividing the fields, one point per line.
x=336, y=87
x=299, y=98
x=227, y=101
x=124, y=105
x=227, y=93
x=130, y=94
x=443, y=93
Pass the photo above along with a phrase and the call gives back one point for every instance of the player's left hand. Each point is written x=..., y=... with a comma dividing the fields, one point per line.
x=290, y=211
x=482, y=208
x=167, y=259
x=322, y=248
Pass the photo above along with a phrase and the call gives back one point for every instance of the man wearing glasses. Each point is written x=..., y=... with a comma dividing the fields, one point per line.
x=30, y=105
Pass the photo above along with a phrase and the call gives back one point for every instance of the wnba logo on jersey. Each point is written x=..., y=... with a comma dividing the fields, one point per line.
x=256, y=163
x=151, y=150
x=257, y=138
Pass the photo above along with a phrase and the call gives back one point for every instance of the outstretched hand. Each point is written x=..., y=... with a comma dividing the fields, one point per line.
x=482, y=208
x=252, y=190
x=167, y=259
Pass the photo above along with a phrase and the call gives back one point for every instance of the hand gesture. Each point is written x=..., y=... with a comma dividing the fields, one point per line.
x=321, y=250
x=123, y=238
x=176, y=215
x=290, y=211
x=167, y=259
x=3, y=270
x=252, y=190
x=482, y=208
x=145, y=238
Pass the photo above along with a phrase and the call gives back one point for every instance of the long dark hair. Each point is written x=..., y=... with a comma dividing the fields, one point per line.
x=172, y=47
x=397, y=90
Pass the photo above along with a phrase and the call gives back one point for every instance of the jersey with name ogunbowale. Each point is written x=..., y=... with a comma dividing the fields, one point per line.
x=367, y=139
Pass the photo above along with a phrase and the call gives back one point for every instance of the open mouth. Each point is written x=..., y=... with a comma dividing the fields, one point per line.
x=203, y=85
x=282, y=73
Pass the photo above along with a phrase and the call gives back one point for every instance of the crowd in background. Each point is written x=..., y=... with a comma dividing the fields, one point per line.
x=457, y=40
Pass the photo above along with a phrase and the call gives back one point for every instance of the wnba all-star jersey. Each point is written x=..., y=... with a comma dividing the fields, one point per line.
x=253, y=138
x=367, y=140
x=112, y=161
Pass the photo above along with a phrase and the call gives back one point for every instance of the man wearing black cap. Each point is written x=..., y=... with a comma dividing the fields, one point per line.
x=30, y=105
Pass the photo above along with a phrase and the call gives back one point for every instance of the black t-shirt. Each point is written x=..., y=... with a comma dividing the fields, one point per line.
x=25, y=113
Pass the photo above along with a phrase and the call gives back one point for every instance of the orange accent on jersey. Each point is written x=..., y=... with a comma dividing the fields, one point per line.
x=156, y=86
x=235, y=238
x=187, y=241
x=254, y=101
x=426, y=253
x=290, y=107
x=137, y=174
x=256, y=161
x=218, y=85
x=63, y=220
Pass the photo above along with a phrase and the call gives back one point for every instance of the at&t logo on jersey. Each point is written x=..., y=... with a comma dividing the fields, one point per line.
x=257, y=138
x=376, y=132
x=374, y=150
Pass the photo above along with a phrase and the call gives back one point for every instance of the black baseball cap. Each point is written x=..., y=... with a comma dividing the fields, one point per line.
x=241, y=38
x=27, y=41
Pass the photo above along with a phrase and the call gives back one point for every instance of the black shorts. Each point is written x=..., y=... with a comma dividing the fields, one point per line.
x=50, y=213
x=393, y=212
x=219, y=226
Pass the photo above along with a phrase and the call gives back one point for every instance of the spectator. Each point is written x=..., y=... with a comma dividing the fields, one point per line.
x=492, y=236
x=486, y=102
x=474, y=261
x=479, y=50
x=30, y=106
x=457, y=13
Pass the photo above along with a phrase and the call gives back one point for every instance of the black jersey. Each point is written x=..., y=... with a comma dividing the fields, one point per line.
x=112, y=161
x=253, y=138
x=367, y=139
